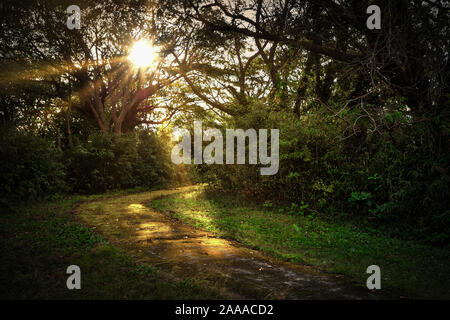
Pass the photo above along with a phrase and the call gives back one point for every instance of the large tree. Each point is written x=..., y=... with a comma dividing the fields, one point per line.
x=409, y=53
x=88, y=68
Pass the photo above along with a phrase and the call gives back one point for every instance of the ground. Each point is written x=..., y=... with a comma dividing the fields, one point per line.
x=182, y=244
x=191, y=253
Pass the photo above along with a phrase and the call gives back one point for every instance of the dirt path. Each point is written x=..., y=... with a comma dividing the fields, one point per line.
x=186, y=252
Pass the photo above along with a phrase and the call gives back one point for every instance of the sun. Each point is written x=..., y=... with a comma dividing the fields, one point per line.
x=143, y=54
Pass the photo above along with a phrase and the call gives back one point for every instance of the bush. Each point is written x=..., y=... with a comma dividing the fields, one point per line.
x=32, y=169
x=392, y=177
x=109, y=161
x=103, y=162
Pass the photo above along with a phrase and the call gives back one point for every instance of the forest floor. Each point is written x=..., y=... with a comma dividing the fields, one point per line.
x=186, y=252
x=39, y=241
x=186, y=244
x=409, y=268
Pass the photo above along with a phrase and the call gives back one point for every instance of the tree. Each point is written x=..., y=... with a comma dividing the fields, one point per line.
x=417, y=70
x=88, y=68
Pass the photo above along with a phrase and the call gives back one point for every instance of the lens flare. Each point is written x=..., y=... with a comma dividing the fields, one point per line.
x=143, y=54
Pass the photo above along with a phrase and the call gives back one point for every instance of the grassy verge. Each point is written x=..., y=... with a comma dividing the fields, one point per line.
x=408, y=268
x=38, y=242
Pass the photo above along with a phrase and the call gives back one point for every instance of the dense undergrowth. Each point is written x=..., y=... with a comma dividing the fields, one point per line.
x=394, y=178
x=34, y=169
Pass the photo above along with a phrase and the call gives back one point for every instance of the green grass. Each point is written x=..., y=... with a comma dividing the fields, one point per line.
x=408, y=268
x=39, y=242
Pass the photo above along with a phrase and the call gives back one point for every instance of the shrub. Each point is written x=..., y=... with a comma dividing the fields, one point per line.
x=31, y=169
x=109, y=161
x=391, y=177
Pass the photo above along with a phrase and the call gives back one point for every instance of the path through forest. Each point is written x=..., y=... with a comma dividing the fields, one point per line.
x=188, y=253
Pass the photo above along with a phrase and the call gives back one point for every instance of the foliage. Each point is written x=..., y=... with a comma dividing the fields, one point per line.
x=31, y=169
x=389, y=177
x=34, y=169
x=108, y=161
